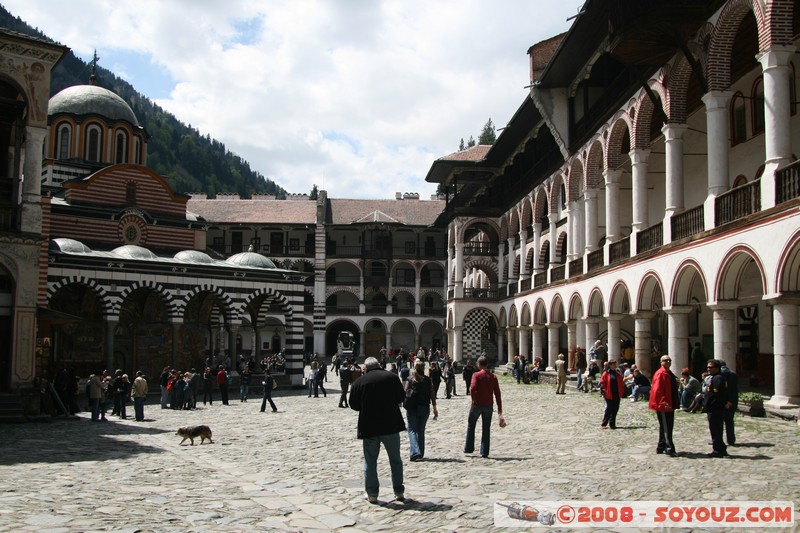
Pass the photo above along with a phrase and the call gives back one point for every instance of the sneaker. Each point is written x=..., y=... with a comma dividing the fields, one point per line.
x=399, y=496
x=603, y=427
x=372, y=499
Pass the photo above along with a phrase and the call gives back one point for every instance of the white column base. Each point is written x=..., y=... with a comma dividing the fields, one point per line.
x=783, y=402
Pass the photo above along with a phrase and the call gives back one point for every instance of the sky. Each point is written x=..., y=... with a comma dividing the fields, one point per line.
x=358, y=97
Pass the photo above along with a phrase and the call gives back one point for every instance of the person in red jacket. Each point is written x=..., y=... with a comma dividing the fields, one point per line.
x=664, y=399
x=613, y=389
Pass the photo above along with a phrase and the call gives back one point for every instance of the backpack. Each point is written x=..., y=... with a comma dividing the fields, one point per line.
x=410, y=401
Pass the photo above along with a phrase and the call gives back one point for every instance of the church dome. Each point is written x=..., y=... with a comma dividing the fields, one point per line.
x=69, y=246
x=193, y=256
x=131, y=251
x=250, y=259
x=91, y=100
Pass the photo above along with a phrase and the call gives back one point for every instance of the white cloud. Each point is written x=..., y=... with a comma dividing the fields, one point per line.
x=357, y=97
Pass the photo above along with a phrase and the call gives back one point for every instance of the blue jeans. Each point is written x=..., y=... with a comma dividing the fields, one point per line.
x=372, y=447
x=138, y=408
x=579, y=372
x=164, y=397
x=640, y=390
x=95, y=405
x=243, y=390
x=485, y=413
x=417, y=418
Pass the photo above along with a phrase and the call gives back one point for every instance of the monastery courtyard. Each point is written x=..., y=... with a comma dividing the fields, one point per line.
x=300, y=469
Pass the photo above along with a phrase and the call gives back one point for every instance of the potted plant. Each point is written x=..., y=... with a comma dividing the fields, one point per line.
x=752, y=403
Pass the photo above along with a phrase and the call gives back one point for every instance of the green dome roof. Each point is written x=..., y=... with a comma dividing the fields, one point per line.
x=91, y=100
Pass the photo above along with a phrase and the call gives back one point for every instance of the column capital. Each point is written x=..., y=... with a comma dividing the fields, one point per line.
x=674, y=131
x=723, y=306
x=590, y=320
x=611, y=176
x=590, y=194
x=784, y=300
x=679, y=309
x=639, y=155
x=554, y=325
x=717, y=100
x=538, y=327
x=777, y=55
x=644, y=314
x=614, y=316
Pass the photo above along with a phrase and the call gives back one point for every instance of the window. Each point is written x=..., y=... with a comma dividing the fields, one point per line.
x=411, y=247
x=757, y=99
x=64, y=140
x=294, y=245
x=94, y=146
x=137, y=151
x=738, y=119
x=130, y=193
x=121, y=148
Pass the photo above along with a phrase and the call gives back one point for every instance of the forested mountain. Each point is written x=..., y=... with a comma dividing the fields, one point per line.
x=190, y=161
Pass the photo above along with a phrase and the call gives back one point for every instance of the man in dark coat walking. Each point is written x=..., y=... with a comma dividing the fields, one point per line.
x=377, y=396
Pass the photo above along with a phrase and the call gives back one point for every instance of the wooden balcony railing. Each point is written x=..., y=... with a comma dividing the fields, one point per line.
x=480, y=248
x=525, y=284
x=480, y=293
x=557, y=273
x=619, y=250
x=595, y=260
x=737, y=203
x=688, y=223
x=540, y=279
x=650, y=238
x=576, y=267
x=787, y=183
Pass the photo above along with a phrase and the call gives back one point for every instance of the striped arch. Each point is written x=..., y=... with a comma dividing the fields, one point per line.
x=555, y=187
x=103, y=296
x=593, y=169
x=282, y=301
x=482, y=221
x=502, y=321
x=330, y=291
x=513, y=222
x=451, y=321
x=596, y=303
x=539, y=313
x=574, y=180
x=218, y=292
x=173, y=313
x=788, y=272
x=484, y=264
x=645, y=111
x=526, y=213
x=292, y=265
x=719, y=54
x=779, y=23
x=540, y=204
x=620, y=302
x=620, y=130
x=732, y=267
x=557, y=310
x=525, y=316
x=503, y=229
x=513, y=319
x=688, y=275
x=575, y=307
x=651, y=293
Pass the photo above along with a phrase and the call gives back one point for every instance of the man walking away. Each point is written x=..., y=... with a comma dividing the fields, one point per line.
x=732, y=382
x=561, y=374
x=345, y=379
x=377, y=396
x=484, y=385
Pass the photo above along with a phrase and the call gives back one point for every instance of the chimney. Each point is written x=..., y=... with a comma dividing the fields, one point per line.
x=398, y=196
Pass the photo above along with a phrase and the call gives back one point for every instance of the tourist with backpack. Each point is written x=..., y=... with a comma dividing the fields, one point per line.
x=419, y=398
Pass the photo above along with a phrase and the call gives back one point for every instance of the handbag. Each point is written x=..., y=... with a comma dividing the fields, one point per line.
x=274, y=384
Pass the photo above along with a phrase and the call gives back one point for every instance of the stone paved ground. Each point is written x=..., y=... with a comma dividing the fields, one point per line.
x=301, y=470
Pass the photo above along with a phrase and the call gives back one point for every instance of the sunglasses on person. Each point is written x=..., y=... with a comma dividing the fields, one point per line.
x=666, y=360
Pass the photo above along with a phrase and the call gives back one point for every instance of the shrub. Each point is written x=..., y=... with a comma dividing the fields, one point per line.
x=751, y=397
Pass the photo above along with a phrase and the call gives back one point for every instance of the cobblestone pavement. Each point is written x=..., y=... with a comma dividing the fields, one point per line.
x=300, y=469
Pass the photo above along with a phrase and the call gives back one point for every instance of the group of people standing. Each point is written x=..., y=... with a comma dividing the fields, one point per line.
x=103, y=389
x=377, y=397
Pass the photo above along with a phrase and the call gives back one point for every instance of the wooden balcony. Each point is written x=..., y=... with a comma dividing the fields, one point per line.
x=557, y=273
x=619, y=250
x=595, y=260
x=650, y=238
x=540, y=279
x=576, y=267
x=688, y=223
x=737, y=203
x=787, y=183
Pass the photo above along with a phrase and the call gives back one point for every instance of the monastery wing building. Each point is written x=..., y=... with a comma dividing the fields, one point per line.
x=645, y=193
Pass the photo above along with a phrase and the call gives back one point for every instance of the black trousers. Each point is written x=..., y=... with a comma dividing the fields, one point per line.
x=666, y=421
x=343, y=398
x=716, y=421
x=610, y=416
x=730, y=430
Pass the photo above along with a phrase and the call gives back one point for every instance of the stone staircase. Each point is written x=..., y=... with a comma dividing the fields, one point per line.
x=11, y=410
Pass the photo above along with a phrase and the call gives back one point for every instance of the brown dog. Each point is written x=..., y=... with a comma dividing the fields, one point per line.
x=192, y=432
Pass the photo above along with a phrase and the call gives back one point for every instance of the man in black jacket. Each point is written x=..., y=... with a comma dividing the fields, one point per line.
x=377, y=396
x=715, y=401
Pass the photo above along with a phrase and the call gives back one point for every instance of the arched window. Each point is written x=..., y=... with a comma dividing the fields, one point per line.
x=121, y=148
x=757, y=98
x=741, y=179
x=64, y=141
x=738, y=119
x=94, y=144
x=137, y=150
x=130, y=193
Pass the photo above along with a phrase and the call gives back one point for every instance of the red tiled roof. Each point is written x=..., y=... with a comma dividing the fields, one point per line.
x=476, y=153
x=409, y=212
x=255, y=211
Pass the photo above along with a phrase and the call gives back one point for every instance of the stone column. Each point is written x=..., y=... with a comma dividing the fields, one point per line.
x=523, y=254
x=787, y=355
x=572, y=326
x=673, y=140
x=614, y=344
x=457, y=337
x=611, y=178
x=678, y=339
x=176, y=335
x=537, y=244
x=234, y=329
x=501, y=352
x=590, y=226
x=641, y=343
x=111, y=327
x=775, y=63
x=511, y=255
x=387, y=341
x=501, y=265
x=417, y=296
x=553, y=240
x=257, y=349
x=31, y=212
x=592, y=329
x=552, y=345
x=536, y=341
x=718, y=141
x=724, y=319
x=459, y=283
x=639, y=195
x=511, y=338
x=362, y=344
x=524, y=341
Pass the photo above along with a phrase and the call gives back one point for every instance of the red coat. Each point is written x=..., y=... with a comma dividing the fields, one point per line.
x=664, y=391
x=605, y=385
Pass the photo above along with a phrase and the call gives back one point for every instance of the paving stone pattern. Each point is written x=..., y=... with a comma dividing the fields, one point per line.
x=301, y=469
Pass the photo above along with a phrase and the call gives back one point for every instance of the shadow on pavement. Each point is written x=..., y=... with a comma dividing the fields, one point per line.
x=418, y=505
x=697, y=455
